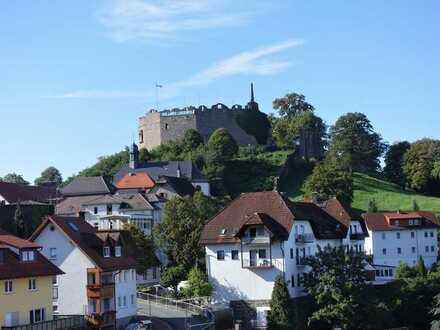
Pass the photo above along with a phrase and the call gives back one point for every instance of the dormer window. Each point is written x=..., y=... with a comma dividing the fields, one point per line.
x=109, y=209
x=106, y=251
x=95, y=210
x=397, y=223
x=118, y=251
x=223, y=231
x=27, y=255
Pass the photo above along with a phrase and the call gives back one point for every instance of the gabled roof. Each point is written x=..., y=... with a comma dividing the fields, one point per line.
x=166, y=168
x=181, y=186
x=278, y=231
x=135, y=180
x=14, y=193
x=91, y=242
x=92, y=185
x=12, y=267
x=132, y=201
x=274, y=206
x=73, y=205
x=379, y=221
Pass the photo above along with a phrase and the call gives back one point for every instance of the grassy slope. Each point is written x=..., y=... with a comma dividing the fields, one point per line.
x=389, y=196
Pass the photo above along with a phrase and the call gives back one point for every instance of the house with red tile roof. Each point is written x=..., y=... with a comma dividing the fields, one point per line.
x=99, y=267
x=26, y=284
x=400, y=237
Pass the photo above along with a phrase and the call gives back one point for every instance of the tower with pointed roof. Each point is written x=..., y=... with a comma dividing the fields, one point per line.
x=134, y=155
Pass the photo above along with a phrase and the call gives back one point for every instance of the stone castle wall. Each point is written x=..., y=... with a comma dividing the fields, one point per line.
x=156, y=128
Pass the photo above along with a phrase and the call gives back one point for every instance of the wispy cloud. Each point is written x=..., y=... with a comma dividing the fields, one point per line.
x=163, y=19
x=259, y=62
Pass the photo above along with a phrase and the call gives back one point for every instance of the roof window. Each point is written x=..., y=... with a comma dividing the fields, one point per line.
x=73, y=226
x=223, y=231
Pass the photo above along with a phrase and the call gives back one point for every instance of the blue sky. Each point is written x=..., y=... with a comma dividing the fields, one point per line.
x=76, y=75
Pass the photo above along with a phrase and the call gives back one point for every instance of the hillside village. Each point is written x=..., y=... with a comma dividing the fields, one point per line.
x=254, y=221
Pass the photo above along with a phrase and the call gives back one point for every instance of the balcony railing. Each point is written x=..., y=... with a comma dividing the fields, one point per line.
x=101, y=320
x=257, y=263
x=255, y=240
x=304, y=238
x=99, y=291
x=60, y=322
x=301, y=261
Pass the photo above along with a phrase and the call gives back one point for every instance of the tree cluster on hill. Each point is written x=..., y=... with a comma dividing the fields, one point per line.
x=14, y=178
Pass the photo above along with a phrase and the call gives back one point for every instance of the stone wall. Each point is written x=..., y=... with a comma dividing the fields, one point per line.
x=149, y=130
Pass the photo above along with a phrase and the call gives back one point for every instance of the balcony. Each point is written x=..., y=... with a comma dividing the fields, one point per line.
x=301, y=261
x=255, y=240
x=100, y=313
x=357, y=236
x=100, y=291
x=101, y=320
x=257, y=263
x=304, y=238
x=60, y=322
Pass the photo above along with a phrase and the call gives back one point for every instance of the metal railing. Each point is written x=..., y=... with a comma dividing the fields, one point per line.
x=188, y=305
x=257, y=263
x=60, y=322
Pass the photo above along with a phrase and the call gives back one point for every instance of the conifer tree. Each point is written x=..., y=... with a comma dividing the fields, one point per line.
x=19, y=223
x=280, y=315
x=421, y=268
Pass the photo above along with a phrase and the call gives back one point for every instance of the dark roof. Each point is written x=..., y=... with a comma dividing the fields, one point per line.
x=134, y=201
x=181, y=186
x=14, y=193
x=91, y=185
x=72, y=205
x=272, y=225
x=167, y=168
x=91, y=241
x=274, y=206
x=11, y=265
x=379, y=221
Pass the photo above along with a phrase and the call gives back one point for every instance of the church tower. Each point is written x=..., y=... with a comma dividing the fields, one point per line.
x=134, y=156
x=252, y=105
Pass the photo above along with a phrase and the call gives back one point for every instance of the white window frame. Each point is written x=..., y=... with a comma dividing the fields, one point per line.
x=52, y=253
x=8, y=286
x=27, y=255
x=106, y=251
x=32, y=284
x=42, y=315
x=118, y=251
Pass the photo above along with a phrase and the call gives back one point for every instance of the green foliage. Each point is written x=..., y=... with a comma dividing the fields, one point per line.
x=182, y=222
x=393, y=169
x=435, y=324
x=221, y=146
x=372, y=206
x=292, y=104
x=49, y=175
x=255, y=123
x=280, y=315
x=328, y=180
x=420, y=165
x=198, y=285
x=415, y=205
x=192, y=139
x=144, y=250
x=421, y=268
x=403, y=271
x=337, y=282
x=19, y=222
x=354, y=143
x=172, y=276
x=14, y=178
x=144, y=155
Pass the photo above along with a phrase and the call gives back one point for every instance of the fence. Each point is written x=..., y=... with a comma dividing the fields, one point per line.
x=184, y=305
x=60, y=322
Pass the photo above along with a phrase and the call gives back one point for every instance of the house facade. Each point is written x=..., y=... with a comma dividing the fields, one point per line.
x=400, y=237
x=26, y=289
x=261, y=235
x=100, y=276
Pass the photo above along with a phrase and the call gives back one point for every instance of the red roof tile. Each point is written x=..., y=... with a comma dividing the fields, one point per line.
x=135, y=180
x=16, y=242
x=380, y=221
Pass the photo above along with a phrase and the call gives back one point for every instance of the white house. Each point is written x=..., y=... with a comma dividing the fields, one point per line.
x=100, y=276
x=400, y=237
x=261, y=235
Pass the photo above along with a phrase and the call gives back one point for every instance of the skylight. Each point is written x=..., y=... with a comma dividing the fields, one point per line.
x=73, y=226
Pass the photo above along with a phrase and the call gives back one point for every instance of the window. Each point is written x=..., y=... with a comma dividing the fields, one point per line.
x=399, y=250
x=391, y=272
x=384, y=236
x=291, y=253
x=384, y=251
x=27, y=255
x=54, y=280
x=106, y=251
x=37, y=315
x=125, y=275
x=398, y=235
x=55, y=293
x=386, y=272
x=292, y=281
x=298, y=280
x=9, y=287
x=166, y=126
x=141, y=136
x=412, y=234
x=124, y=299
x=260, y=231
x=95, y=210
x=234, y=254
x=426, y=248
x=432, y=248
x=377, y=272
x=431, y=234
x=413, y=249
x=355, y=229
x=252, y=232
x=32, y=285
x=426, y=234
x=397, y=223
x=53, y=253
x=119, y=302
x=262, y=253
x=154, y=273
x=220, y=255
x=132, y=299
x=55, y=308
x=118, y=251
x=109, y=209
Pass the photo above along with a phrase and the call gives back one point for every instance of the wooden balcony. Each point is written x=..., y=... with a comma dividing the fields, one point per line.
x=100, y=291
x=100, y=320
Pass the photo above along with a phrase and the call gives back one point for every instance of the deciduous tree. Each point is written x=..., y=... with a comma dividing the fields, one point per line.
x=14, y=178
x=49, y=175
x=198, y=285
x=393, y=169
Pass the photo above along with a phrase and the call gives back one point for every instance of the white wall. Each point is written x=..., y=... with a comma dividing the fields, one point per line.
x=204, y=187
x=125, y=286
x=72, y=293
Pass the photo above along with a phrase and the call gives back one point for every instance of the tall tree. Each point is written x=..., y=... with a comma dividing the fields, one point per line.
x=182, y=222
x=419, y=164
x=144, y=250
x=354, y=143
x=329, y=179
x=198, y=285
x=222, y=146
x=14, y=178
x=280, y=316
x=171, y=277
x=393, y=169
x=337, y=282
x=292, y=104
x=49, y=175
x=192, y=139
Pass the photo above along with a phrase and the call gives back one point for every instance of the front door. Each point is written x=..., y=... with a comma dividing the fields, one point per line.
x=253, y=255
